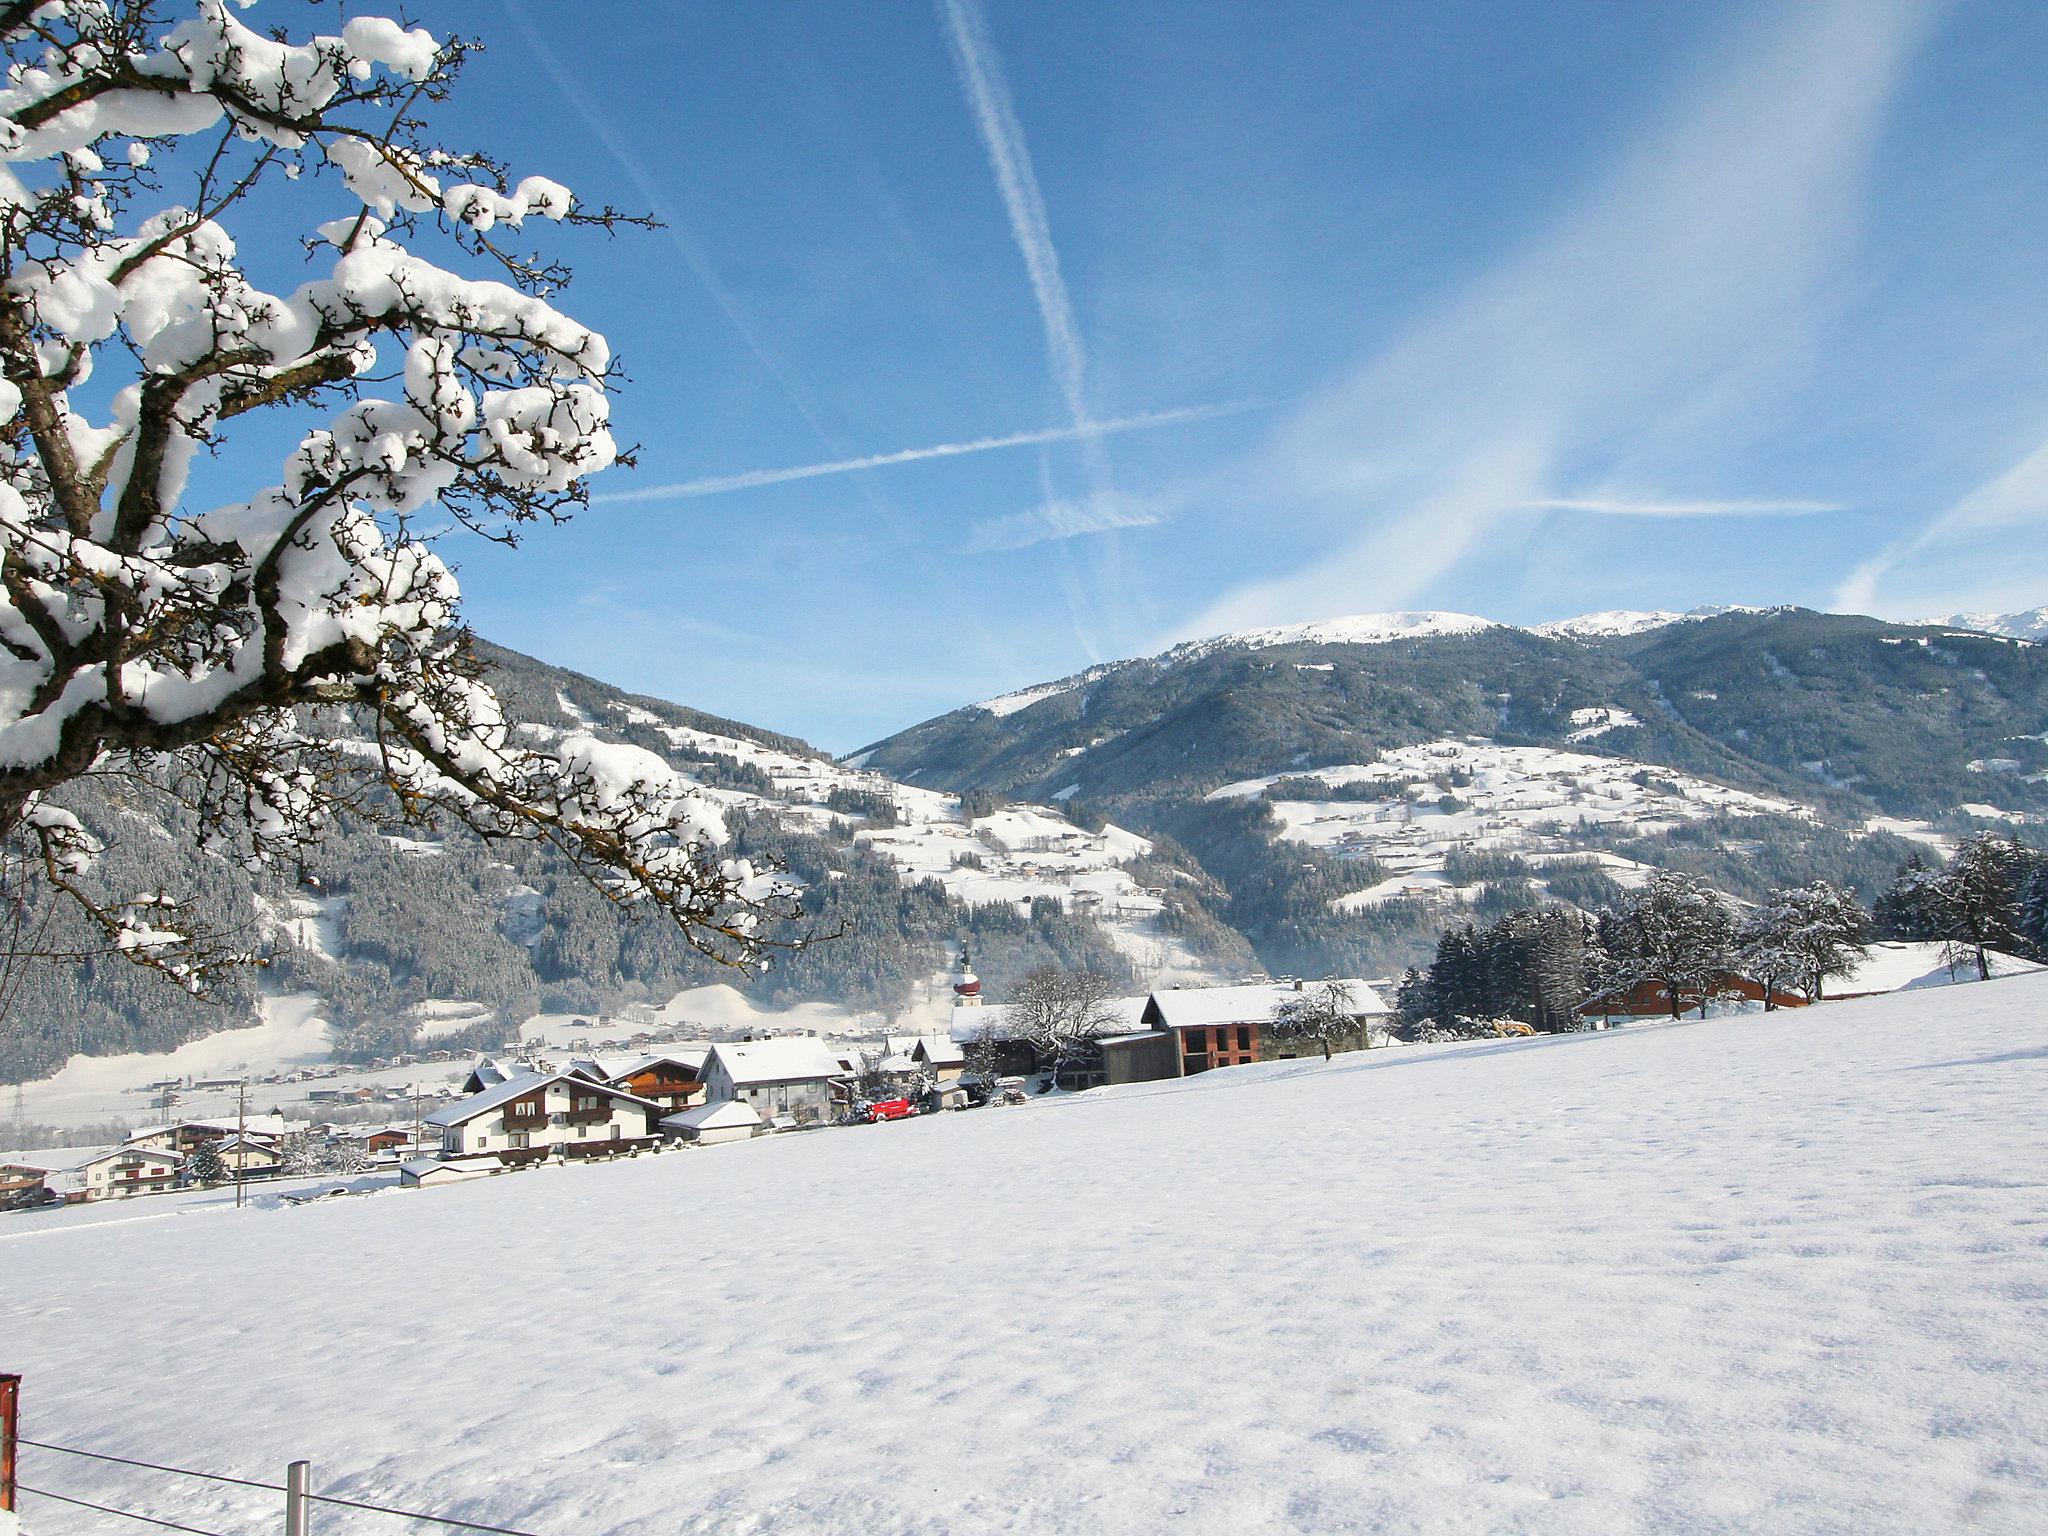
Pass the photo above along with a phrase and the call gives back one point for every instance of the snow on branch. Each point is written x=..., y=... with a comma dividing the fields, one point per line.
x=422, y=366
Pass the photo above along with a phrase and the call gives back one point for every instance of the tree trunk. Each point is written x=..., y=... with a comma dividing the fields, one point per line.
x=1983, y=964
x=1326, y=1047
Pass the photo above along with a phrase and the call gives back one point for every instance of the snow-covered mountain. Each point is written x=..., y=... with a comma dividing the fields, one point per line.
x=2027, y=624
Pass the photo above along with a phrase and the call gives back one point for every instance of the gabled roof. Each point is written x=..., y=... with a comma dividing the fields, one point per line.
x=489, y=1071
x=1245, y=1002
x=993, y=1019
x=150, y=1152
x=939, y=1050
x=690, y=1058
x=787, y=1059
x=723, y=1115
x=465, y=1110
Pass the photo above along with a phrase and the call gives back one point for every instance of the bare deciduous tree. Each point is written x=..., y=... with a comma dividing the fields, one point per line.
x=1323, y=1015
x=1062, y=1013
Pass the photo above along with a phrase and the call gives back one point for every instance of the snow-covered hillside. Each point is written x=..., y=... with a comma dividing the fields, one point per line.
x=1774, y=1273
x=1475, y=796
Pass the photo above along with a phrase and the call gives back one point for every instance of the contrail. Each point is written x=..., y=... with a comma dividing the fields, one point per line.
x=981, y=74
x=712, y=485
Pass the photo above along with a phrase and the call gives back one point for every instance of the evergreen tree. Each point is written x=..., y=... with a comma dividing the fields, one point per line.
x=1976, y=899
x=206, y=1165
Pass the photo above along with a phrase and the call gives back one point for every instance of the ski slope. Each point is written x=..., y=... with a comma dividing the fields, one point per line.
x=1774, y=1273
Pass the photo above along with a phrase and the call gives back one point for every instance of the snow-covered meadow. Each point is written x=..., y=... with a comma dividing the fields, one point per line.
x=1771, y=1273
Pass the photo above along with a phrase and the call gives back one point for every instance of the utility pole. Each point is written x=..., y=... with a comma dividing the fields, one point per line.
x=241, y=1137
x=415, y=1117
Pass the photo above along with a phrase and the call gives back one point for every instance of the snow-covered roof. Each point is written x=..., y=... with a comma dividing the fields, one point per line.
x=939, y=1050
x=790, y=1058
x=1899, y=967
x=150, y=1152
x=1248, y=1002
x=970, y=1023
x=495, y=1069
x=723, y=1115
x=464, y=1167
x=464, y=1110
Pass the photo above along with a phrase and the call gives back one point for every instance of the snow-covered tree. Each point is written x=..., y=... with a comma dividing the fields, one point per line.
x=1322, y=1014
x=1976, y=899
x=1062, y=1013
x=1675, y=931
x=297, y=1155
x=206, y=1165
x=1803, y=936
x=422, y=380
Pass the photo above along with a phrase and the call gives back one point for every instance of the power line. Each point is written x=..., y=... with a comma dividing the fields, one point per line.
x=407, y=1514
x=107, y=1509
x=152, y=1466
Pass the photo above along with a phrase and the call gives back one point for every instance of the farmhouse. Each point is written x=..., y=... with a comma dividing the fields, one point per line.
x=941, y=1057
x=23, y=1185
x=528, y=1116
x=793, y=1075
x=1652, y=999
x=1231, y=1025
x=130, y=1170
x=673, y=1078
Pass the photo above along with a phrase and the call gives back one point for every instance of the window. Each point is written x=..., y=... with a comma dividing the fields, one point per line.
x=615, y=1133
x=482, y=1142
x=582, y=1131
x=518, y=1139
x=1244, y=1037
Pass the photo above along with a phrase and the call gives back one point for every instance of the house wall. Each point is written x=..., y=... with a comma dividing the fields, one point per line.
x=804, y=1098
x=1141, y=1061
x=626, y=1125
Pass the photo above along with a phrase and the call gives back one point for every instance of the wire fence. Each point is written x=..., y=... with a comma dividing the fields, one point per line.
x=295, y=1499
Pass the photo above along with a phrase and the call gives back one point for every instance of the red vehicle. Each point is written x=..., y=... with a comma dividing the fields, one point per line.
x=889, y=1109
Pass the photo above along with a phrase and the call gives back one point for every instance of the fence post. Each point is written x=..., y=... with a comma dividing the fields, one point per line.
x=10, y=1431
x=297, y=1507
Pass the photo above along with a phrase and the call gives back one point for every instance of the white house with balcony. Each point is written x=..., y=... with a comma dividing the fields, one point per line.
x=792, y=1075
x=531, y=1115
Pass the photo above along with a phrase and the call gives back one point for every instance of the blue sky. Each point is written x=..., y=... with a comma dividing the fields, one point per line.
x=1314, y=309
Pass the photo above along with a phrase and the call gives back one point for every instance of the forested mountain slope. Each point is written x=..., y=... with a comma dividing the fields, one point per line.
x=1349, y=782
x=434, y=931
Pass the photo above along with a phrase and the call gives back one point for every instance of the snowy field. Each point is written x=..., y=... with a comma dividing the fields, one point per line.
x=1775, y=1273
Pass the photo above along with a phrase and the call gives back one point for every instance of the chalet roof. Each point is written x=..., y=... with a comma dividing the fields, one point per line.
x=690, y=1058
x=1245, y=1002
x=939, y=1050
x=464, y=1110
x=723, y=1115
x=125, y=1151
x=492, y=1070
x=787, y=1059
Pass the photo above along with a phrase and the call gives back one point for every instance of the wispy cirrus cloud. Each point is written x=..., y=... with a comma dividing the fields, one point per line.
x=712, y=485
x=1684, y=278
x=1064, y=519
x=1610, y=506
x=1988, y=549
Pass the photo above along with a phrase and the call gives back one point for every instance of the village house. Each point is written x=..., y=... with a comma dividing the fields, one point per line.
x=130, y=1170
x=792, y=1075
x=941, y=1057
x=23, y=1185
x=249, y=1157
x=1229, y=1026
x=672, y=1078
x=529, y=1116
x=183, y=1137
x=1652, y=999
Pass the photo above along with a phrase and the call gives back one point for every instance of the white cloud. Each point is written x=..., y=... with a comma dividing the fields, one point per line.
x=1605, y=506
x=1979, y=552
x=1063, y=519
x=1696, y=262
